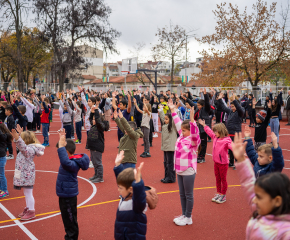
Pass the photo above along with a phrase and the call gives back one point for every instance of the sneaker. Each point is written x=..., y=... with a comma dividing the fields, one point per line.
x=142, y=144
x=178, y=218
x=48, y=134
x=209, y=140
x=216, y=197
x=202, y=160
x=10, y=156
x=199, y=160
x=97, y=180
x=83, y=128
x=72, y=137
x=91, y=165
x=23, y=213
x=231, y=165
x=155, y=135
x=184, y=221
x=93, y=177
x=30, y=214
x=168, y=181
x=221, y=199
x=78, y=142
x=109, y=130
x=4, y=194
x=148, y=154
x=143, y=155
x=37, y=131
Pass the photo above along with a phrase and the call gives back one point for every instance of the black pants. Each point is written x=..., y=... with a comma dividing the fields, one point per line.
x=203, y=144
x=138, y=122
x=232, y=158
x=68, y=209
x=168, y=166
x=67, y=131
x=37, y=120
x=151, y=131
x=210, y=125
x=29, y=126
x=10, y=148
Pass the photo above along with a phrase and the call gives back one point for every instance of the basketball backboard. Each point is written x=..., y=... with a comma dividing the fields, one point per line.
x=129, y=66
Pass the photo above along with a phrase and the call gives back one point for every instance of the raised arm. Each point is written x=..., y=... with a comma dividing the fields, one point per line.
x=27, y=103
x=239, y=108
x=68, y=108
x=114, y=101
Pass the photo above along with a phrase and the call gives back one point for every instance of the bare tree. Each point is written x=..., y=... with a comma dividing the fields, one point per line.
x=171, y=43
x=68, y=23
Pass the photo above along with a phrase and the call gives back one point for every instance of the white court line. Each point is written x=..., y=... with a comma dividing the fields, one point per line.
x=53, y=215
x=18, y=223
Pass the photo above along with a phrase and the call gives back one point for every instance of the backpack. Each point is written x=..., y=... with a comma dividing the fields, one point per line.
x=151, y=197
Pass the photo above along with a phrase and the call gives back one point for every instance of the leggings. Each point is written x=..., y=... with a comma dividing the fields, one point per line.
x=274, y=124
x=29, y=198
x=186, y=184
x=146, y=132
x=220, y=172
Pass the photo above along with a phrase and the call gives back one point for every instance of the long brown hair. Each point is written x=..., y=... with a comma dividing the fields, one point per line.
x=5, y=130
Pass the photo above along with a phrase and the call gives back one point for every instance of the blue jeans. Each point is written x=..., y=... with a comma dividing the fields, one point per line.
x=129, y=165
x=3, y=181
x=45, y=127
x=274, y=125
x=79, y=130
x=67, y=131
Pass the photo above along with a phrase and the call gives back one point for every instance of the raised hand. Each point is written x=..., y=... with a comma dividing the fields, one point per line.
x=254, y=101
x=62, y=139
x=80, y=88
x=120, y=114
x=247, y=132
x=201, y=122
x=115, y=114
x=269, y=104
x=15, y=134
x=134, y=100
x=119, y=158
x=137, y=172
x=274, y=140
x=239, y=148
x=220, y=95
x=171, y=105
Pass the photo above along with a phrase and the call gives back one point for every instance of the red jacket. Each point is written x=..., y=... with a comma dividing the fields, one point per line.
x=44, y=117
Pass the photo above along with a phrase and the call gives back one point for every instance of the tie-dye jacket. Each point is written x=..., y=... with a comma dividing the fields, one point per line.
x=268, y=227
x=185, y=147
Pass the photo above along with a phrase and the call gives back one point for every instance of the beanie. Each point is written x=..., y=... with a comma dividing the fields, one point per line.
x=262, y=115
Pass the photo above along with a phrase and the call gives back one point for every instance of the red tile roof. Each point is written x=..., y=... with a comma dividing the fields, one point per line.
x=89, y=77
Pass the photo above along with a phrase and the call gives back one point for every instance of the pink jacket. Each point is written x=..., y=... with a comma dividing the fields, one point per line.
x=185, y=148
x=267, y=227
x=220, y=147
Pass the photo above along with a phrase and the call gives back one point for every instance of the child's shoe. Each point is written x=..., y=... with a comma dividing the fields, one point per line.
x=91, y=165
x=10, y=156
x=184, y=221
x=97, y=180
x=23, y=213
x=216, y=197
x=77, y=142
x=30, y=214
x=148, y=154
x=143, y=155
x=93, y=177
x=221, y=199
x=4, y=194
x=178, y=218
x=72, y=137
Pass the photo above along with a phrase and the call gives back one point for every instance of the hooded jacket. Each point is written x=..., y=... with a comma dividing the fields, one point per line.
x=131, y=221
x=67, y=114
x=168, y=138
x=220, y=147
x=268, y=227
x=276, y=165
x=128, y=143
x=25, y=164
x=67, y=182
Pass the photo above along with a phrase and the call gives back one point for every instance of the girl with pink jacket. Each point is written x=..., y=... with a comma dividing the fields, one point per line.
x=221, y=144
x=268, y=197
x=185, y=162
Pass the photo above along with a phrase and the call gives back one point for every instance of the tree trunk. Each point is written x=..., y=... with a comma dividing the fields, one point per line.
x=33, y=82
x=172, y=70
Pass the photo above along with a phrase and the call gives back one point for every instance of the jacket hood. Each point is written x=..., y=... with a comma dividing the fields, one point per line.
x=38, y=148
x=283, y=217
x=138, y=130
x=82, y=160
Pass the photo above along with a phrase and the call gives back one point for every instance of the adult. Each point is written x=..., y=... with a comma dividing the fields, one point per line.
x=287, y=107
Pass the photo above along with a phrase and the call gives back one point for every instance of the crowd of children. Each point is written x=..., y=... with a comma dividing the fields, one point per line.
x=186, y=128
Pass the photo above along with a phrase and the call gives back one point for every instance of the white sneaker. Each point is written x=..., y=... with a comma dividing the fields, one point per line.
x=155, y=135
x=91, y=165
x=216, y=197
x=37, y=131
x=48, y=134
x=83, y=128
x=184, y=221
x=109, y=130
x=72, y=137
x=10, y=156
x=178, y=218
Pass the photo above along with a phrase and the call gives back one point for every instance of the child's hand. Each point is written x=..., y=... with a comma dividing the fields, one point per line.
x=115, y=114
x=247, y=132
x=62, y=140
x=14, y=134
x=254, y=101
x=239, y=148
x=171, y=105
x=201, y=122
x=134, y=100
x=137, y=172
x=120, y=114
x=220, y=95
x=119, y=158
x=93, y=109
x=269, y=104
x=274, y=140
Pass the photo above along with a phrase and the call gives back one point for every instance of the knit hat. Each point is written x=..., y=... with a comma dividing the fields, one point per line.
x=261, y=115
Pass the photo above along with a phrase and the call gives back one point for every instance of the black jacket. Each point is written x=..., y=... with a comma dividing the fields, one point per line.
x=3, y=144
x=21, y=120
x=2, y=114
x=261, y=128
x=95, y=140
x=234, y=122
x=10, y=122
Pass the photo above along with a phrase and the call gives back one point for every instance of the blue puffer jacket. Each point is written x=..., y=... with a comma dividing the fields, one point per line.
x=67, y=182
x=131, y=221
x=276, y=165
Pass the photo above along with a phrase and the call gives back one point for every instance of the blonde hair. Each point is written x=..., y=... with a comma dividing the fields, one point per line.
x=221, y=129
x=29, y=137
x=267, y=148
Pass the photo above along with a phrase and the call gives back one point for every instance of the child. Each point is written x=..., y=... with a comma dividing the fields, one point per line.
x=10, y=124
x=24, y=175
x=169, y=138
x=154, y=103
x=66, y=118
x=276, y=109
x=222, y=143
x=261, y=120
x=145, y=126
x=19, y=113
x=131, y=221
x=185, y=162
x=268, y=159
x=268, y=197
x=96, y=143
x=78, y=121
x=235, y=119
x=5, y=137
x=37, y=114
x=29, y=110
x=44, y=119
x=128, y=143
x=67, y=183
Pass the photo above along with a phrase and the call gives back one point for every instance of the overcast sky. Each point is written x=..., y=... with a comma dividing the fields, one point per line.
x=138, y=21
